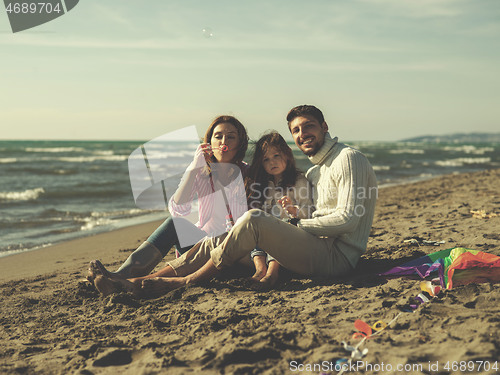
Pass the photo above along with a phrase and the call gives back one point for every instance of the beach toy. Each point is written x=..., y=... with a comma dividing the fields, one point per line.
x=427, y=286
x=415, y=302
x=408, y=309
x=364, y=330
x=340, y=362
x=355, y=352
x=379, y=326
x=207, y=147
x=422, y=298
x=456, y=266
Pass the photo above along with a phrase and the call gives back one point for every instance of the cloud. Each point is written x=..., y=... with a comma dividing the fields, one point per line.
x=321, y=26
x=418, y=8
x=485, y=30
x=111, y=15
x=232, y=42
x=281, y=63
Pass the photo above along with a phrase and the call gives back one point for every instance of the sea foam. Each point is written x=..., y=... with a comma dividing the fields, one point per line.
x=459, y=162
x=54, y=149
x=469, y=149
x=381, y=167
x=27, y=195
x=407, y=151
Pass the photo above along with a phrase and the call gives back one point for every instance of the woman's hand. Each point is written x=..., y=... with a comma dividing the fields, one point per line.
x=207, y=151
x=287, y=205
x=202, y=156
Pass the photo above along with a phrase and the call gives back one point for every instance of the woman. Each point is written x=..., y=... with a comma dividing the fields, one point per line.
x=217, y=167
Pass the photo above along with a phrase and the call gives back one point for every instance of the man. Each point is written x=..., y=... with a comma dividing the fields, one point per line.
x=329, y=244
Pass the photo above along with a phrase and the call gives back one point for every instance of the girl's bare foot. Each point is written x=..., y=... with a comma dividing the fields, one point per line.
x=260, y=268
x=158, y=286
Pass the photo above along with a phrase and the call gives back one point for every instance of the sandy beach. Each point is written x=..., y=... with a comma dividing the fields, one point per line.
x=54, y=322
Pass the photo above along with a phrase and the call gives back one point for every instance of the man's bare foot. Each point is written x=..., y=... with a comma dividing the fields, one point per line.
x=107, y=286
x=158, y=286
x=269, y=280
x=260, y=268
x=271, y=277
x=258, y=275
x=266, y=283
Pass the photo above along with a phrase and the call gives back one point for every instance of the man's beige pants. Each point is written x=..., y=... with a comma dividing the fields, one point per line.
x=293, y=248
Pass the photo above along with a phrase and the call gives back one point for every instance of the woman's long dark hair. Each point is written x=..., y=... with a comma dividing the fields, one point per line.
x=258, y=179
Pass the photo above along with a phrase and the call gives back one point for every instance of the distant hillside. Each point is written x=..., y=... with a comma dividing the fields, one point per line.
x=457, y=138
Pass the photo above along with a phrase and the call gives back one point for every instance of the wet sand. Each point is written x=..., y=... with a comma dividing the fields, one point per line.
x=54, y=322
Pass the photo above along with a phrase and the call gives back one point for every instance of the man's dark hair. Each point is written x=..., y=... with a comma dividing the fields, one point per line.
x=305, y=110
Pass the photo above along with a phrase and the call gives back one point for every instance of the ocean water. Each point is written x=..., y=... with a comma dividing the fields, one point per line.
x=51, y=191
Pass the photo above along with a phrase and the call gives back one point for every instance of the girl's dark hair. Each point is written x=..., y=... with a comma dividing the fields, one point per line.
x=242, y=136
x=258, y=179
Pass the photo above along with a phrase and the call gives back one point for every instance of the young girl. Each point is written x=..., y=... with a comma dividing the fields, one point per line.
x=217, y=165
x=276, y=186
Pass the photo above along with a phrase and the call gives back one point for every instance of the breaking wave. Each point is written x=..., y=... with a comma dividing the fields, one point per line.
x=459, y=162
x=54, y=149
x=27, y=195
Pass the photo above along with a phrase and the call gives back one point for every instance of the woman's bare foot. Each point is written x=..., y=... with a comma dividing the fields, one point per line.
x=260, y=268
x=96, y=268
x=92, y=273
x=107, y=286
x=158, y=286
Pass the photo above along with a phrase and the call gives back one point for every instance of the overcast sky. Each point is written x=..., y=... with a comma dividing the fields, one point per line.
x=379, y=69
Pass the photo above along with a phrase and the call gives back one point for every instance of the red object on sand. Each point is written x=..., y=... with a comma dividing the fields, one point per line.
x=364, y=330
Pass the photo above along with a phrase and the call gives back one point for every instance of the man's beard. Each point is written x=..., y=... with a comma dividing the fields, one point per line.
x=313, y=151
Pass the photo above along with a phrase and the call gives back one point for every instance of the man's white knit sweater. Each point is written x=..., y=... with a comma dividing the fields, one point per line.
x=345, y=193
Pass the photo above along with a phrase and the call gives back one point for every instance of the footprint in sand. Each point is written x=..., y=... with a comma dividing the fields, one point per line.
x=115, y=357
